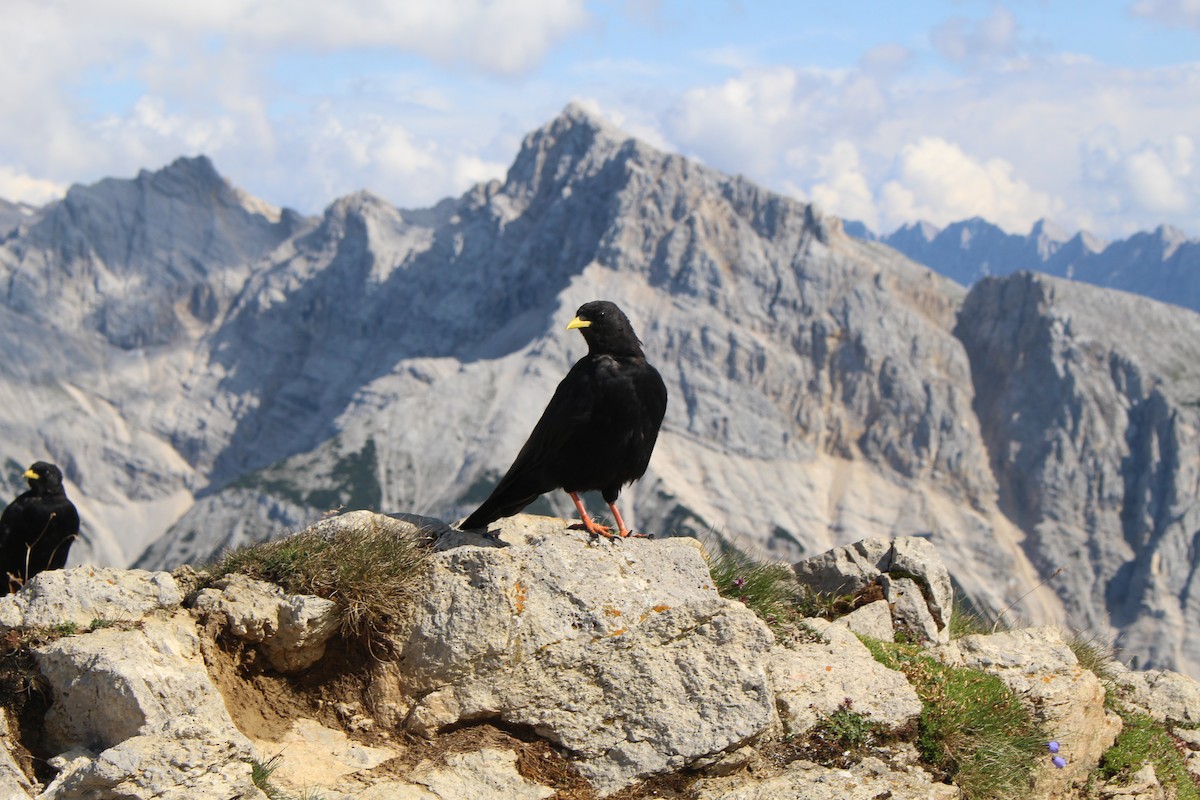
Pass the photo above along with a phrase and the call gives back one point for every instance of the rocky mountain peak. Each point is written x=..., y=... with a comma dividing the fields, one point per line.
x=1048, y=230
x=118, y=256
x=572, y=145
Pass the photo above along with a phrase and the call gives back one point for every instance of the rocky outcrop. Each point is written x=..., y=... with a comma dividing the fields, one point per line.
x=634, y=665
x=581, y=664
x=907, y=572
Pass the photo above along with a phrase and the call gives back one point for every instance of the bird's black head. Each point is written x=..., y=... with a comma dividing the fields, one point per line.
x=606, y=329
x=44, y=478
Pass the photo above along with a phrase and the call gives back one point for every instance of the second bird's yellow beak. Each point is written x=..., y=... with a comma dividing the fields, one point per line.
x=579, y=322
x=30, y=475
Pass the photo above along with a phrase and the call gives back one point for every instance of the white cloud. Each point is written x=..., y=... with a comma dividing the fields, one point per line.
x=21, y=188
x=302, y=102
x=843, y=188
x=1048, y=138
x=936, y=181
x=1172, y=13
x=1158, y=177
x=505, y=36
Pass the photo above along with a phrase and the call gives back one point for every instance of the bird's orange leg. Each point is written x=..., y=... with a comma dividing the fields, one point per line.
x=622, y=529
x=588, y=524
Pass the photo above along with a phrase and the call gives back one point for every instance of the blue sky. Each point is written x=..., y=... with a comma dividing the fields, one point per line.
x=1084, y=113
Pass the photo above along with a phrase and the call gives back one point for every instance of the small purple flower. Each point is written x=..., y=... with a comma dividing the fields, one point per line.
x=1059, y=761
x=739, y=583
x=1052, y=747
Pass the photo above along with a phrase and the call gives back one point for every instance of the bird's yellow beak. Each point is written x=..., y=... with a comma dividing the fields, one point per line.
x=30, y=475
x=579, y=322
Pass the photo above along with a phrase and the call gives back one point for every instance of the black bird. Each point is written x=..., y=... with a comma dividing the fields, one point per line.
x=598, y=430
x=37, y=528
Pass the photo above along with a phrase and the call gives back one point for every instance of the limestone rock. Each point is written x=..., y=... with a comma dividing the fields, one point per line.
x=620, y=652
x=480, y=775
x=811, y=681
x=870, y=779
x=1087, y=399
x=486, y=774
x=1165, y=695
x=908, y=569
x=110, y=685
x=292, y=630
x=312, y=757
x=873, y=620
x=1068, y=700
x=190, y=765
x=142, y=703
x=85, y=594
x=13, y=783
x=1143, y=786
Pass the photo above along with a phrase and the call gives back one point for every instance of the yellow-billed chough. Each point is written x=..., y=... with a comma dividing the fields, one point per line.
x=598, y=430
x=37, y=528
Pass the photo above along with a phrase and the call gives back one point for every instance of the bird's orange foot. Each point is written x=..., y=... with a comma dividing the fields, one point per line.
x=594, y=528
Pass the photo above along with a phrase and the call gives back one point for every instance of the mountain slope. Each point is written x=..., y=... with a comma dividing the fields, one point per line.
x=106, y=294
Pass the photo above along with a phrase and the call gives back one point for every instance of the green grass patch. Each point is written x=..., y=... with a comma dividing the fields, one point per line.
x=849, y=729
x=966, y=620
x=1093, y=652
x=973, y=729
x=1143, y=740
x=827, y=605
x=369, y=570
x=768, y=589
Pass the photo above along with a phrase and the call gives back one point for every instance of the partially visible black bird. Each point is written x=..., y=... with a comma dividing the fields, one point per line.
x=37, y=528
x=598, y=430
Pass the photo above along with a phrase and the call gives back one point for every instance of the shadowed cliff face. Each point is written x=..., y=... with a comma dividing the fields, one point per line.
x=822, y=389
x=1087, y=400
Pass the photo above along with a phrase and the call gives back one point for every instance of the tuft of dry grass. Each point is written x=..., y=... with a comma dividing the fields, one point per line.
x=371, y=571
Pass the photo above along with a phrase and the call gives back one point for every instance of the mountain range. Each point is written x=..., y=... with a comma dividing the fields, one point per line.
x=1163, y=264
x=209, y=370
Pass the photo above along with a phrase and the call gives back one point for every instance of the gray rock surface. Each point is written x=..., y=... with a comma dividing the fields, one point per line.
x=152, y=723
x=908, y=570
x=109, y=685
x=811, y=681
x=87, y=595
x=14, y=784
x=292, y=629
x=1164, y=695
x=622, y=653
x=870, y=779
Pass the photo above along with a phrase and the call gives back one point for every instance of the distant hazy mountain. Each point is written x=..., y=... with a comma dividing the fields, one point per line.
x=209, y=371
x=1164, y=265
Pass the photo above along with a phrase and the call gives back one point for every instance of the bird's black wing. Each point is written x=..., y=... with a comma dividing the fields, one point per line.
x=652, y=392
x=533, y=470
x=13, y=550
x=55, y=544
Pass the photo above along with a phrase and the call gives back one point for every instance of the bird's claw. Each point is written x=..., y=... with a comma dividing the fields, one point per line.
x=595, y=529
